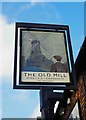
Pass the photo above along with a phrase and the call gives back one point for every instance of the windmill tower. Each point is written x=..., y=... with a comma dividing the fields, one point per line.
x=36, y=58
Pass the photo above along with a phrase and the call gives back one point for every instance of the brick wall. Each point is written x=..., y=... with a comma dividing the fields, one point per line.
x=77, y=96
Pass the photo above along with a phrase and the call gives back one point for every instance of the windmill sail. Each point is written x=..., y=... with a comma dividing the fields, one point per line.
x=37, y=59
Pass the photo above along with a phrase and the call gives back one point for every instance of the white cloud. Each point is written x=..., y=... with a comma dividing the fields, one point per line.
x=0, y=104
x=6, y=52
x=0, y=114
x=36, y=112
x=28, y=5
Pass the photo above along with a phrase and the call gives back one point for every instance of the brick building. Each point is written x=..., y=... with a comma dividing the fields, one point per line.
x=79, y=95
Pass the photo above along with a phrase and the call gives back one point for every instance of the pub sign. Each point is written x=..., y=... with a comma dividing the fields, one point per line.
x=41, y=55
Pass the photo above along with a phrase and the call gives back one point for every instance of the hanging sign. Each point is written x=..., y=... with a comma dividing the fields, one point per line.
x=41, y=55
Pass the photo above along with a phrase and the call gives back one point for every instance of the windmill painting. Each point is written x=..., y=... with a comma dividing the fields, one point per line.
x=36, y=51
x=43, y=52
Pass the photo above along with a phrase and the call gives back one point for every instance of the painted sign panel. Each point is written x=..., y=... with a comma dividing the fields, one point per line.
x=43, y=57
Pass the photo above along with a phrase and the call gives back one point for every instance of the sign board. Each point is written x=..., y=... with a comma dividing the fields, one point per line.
x=41, y=55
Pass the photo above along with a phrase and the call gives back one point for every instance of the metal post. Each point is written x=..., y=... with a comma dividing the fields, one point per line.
x=46, y=106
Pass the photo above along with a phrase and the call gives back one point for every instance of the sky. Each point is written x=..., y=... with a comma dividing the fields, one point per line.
x=26, y=103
